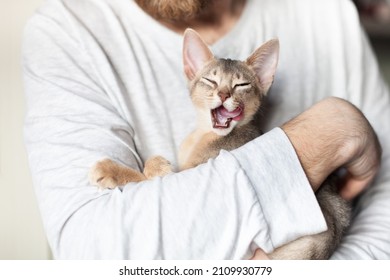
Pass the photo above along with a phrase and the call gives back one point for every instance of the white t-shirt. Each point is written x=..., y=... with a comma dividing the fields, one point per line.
x=103, y=79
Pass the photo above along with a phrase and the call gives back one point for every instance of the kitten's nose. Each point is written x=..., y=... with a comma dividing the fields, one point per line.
x=223, y=95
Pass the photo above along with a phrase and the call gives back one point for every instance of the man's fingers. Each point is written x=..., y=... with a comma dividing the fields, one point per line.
x=259, y=255
x=353, y=187
x=361, y=172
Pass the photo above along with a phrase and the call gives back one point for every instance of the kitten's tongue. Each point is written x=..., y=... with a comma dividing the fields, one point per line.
x=223, y=117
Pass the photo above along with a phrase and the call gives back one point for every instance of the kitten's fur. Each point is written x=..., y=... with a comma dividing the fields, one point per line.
x=227, y=95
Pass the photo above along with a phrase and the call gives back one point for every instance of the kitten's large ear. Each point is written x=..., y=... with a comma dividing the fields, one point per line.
x=195, y=53
x=264, y=61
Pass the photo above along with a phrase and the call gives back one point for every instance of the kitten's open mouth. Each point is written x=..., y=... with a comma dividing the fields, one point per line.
x=222, y=118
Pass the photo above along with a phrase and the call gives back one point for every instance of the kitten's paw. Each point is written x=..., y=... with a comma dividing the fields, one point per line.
x=157, y=167
x=104, y=174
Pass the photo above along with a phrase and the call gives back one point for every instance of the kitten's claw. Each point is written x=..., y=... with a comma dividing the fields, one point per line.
x=157, y=166
x=107, y=174
x=103, y=174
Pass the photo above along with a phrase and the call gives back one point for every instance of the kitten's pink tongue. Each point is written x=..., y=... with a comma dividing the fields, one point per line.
x=223, y=115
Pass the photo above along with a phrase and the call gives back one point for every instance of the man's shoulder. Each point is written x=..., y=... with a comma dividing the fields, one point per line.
x=69, y=16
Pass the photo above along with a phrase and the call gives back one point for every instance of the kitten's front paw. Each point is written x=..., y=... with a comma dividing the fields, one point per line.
x=157, y=167
x=103, y=174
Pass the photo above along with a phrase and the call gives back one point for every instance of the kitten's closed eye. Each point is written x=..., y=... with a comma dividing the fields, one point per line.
x=210, y=82
x=242, y=85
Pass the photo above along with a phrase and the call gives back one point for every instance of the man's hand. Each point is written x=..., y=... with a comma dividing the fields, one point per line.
x=330, y=135
x=334, y=134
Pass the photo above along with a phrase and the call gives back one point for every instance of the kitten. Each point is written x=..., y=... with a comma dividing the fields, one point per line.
x=227, y=95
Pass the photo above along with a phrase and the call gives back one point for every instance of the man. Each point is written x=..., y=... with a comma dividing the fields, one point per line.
x=104, y=79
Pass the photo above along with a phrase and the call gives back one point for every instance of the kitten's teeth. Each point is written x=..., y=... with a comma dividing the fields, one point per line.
x=222, y=117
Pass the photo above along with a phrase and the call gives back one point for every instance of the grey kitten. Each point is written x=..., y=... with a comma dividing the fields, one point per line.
x=228, y=95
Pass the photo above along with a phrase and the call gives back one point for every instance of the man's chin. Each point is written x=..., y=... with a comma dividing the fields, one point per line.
x=170, y=10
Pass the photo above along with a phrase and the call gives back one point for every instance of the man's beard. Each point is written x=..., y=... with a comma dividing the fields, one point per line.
x=174, y=10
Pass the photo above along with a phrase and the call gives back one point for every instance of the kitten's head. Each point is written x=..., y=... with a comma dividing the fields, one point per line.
x=227, y=93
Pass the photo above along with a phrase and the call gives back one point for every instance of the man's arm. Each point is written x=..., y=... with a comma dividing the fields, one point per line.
x=330, y=135
x=213, y=211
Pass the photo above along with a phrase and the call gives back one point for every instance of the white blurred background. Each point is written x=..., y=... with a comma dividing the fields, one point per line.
x=21, y=232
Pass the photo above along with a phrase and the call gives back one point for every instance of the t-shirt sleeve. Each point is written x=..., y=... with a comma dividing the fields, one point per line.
x=280, y=180
x=256, y=196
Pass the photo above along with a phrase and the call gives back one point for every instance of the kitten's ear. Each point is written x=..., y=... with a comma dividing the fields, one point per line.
x=264, y=61
x=195, y=53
